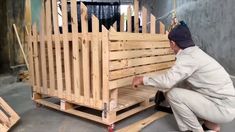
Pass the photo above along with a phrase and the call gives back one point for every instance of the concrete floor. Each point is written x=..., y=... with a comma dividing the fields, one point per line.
x=43, y=119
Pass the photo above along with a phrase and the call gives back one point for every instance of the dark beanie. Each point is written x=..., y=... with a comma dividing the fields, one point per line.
x=181, y=36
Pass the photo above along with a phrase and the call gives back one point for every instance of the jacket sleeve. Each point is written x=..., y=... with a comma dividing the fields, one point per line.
x=182, y=69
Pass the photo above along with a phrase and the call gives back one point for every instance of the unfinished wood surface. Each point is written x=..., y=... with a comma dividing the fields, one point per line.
x=139, y=53
x=122, y=21
x=105, y=69
x=59, y=77
x=115, y=25
x=128, y=80
x=129, y=27
x=139, y=125
x=31, y=61
x=137, y=36
x=66, y=50
x=21, y=46
x=36, y=59
x=144, y=20
x=43, y=52
x=8, y=117
x=50, y=49
x=130, y=45
x=96, y=80
x=162, y=28
x=121, y=64
x=85, y=54
x=136, y=17
x=153, y=24
x=76, y=57
x=138, y=70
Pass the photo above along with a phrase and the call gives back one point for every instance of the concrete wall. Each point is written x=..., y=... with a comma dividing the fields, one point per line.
x=212, y=23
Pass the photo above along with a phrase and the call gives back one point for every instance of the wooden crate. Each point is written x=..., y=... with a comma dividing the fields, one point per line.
x=8, y=117
x=94, y=70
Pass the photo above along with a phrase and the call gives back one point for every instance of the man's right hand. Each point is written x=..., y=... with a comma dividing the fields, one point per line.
x=137, y=81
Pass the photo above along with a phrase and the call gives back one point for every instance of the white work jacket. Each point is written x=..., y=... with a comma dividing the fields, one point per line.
x=202, y=72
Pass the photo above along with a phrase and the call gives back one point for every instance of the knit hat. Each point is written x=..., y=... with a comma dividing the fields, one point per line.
x=181, y=36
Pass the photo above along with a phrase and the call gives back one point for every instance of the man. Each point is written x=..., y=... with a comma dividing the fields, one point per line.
x=211, y=96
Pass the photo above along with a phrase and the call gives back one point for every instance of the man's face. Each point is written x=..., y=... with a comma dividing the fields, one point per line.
x=174, y=47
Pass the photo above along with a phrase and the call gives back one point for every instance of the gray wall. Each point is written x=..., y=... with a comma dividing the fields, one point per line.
x=212, y=23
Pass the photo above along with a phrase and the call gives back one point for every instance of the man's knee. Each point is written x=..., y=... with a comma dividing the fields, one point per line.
x=175, y=94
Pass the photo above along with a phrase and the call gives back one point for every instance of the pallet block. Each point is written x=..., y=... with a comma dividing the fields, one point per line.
x=8, y=117
x=95, y=69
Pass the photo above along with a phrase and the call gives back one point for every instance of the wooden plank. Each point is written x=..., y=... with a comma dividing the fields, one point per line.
x=129, y=45
x=136, y=20
x=96, y=80
x=66, y=50
x=129, y=27
x=50, y=49
x=105, y=69
x=21, y=47
x=57, y=50
x=128, y=80
x=36, y=59
x=43, y=52
x=31, y=61
x=122, y=21
x=121, y=64
x=139, y=70
x=137, y=36
x=139, y=53
x=153, y=24
x=8, y=109
x=76, y=57
x=4, y=119
x=85, y=54
x=115, y=25
x=139, y=125
x=162, y=28
x=144, y=20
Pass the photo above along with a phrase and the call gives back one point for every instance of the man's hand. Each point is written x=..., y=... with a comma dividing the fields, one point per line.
x=137, y=81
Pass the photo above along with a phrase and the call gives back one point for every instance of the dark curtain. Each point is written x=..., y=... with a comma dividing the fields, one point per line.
x=107, y=13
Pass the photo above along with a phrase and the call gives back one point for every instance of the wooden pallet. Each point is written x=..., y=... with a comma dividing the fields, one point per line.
x=130, y=101
x=8, y=117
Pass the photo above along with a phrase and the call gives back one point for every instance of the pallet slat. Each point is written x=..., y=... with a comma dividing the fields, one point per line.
x=85, y=54
x=129, y=45
x=144, y=20
x=120, y=64
x=57, y=50
x=76, y=57
x=49, y=48
x=139, y=70
x=129, y=27
x=136, y=17
x=153, y=24
x=96, y=80
x=139, y=53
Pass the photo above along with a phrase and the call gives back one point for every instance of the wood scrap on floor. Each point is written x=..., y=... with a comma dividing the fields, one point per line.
x=8, y=117
x=139, y=125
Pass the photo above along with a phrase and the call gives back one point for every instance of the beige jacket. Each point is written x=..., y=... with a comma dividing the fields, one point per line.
x=202, y=72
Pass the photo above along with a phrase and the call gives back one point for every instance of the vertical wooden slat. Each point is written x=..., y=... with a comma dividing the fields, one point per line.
x=129, y=28
x=153, y=24
x=136, y=20
x=76, y=57
x=122, y=21
x=43, y=51
x=96, y=80
x=36, y=59
x=85, y=54
x=49, y=48
x=162, y=28
x=66, y=50
x=144, y=20
x=57, y=50
x=31, y=65
x=105, y=72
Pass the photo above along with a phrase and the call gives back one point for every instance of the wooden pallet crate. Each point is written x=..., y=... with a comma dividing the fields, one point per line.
x=8, y=117
x=94, y=70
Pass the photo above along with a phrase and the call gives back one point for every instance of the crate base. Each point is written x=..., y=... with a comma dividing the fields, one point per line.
x=130, y=102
